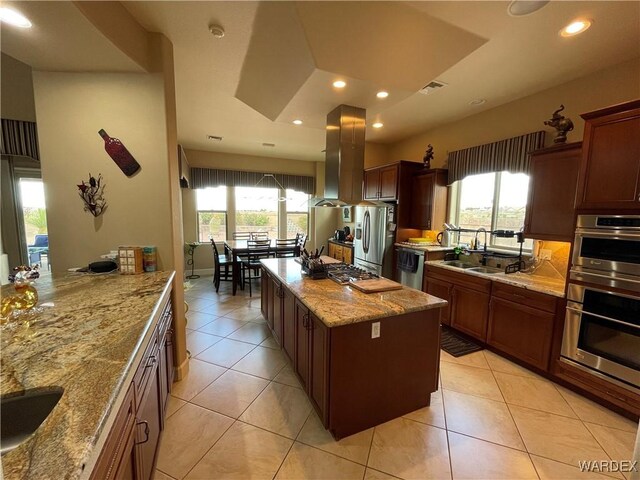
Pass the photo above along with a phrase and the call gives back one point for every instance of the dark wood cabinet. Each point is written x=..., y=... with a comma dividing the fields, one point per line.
x=381, y=183
x=318, y=338
x=429, y=200
x=470, y=311
x=553, y=183
x=440, y=289
x=148, y=426
x=341, y=251
x=275, y=290
x=371, y=184
x=610, y=169
x=289, y=324
x=265, y=298
x=301, y=363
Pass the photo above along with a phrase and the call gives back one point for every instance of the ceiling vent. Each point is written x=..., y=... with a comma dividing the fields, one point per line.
x=268, y=144
x=214, y=137
x=432, y=87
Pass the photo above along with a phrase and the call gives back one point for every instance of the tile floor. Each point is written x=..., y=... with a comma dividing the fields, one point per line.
x=241, y=414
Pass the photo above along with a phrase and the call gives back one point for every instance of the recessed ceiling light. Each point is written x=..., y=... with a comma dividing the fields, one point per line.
x=478, y=101
x=378, y=125
x=297, y=122
x=216, y=30
x=382, y=94
x=339, y=84
x=519, y=8
x=12, y=17
x=574, y=28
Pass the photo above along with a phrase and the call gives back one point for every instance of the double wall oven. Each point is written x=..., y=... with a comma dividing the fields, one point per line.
x=602, y=323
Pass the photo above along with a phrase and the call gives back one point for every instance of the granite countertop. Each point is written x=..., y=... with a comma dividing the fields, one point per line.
x=536, y=283
x=84, y=339
x=337, y=305
x=341, y=242
x=425, y=248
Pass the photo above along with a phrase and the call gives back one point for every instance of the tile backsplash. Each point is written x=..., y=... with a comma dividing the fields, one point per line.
x=559, y=261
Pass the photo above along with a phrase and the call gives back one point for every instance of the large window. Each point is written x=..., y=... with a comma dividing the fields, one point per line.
x=297, y=213
x=494, y=201
x=211, y=205
x=257, y=210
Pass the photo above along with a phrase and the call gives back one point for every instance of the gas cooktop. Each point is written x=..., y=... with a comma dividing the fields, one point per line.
x=343, y=273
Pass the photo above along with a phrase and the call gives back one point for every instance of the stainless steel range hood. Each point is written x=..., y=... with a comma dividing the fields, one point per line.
x=344, y=164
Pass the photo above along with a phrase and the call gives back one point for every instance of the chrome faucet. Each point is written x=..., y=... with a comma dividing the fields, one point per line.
x=484, y=245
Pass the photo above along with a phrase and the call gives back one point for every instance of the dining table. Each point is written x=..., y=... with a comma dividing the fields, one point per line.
x=237, y=248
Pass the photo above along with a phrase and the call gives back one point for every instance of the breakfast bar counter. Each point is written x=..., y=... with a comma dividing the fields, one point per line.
x=86, y=337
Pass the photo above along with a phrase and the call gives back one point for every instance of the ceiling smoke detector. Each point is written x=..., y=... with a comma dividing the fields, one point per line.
x=520, y=8
x=214, y=137
x=432, y=87
x=216, y=30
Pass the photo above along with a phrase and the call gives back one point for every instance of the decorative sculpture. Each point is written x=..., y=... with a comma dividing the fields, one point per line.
x=562, y=125
x=428, y=156
x=91, y=195
x=26, y=296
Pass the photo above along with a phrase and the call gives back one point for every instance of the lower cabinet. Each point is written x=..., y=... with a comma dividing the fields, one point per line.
x=275, y=309
x=148, y=426
x=301, y=358
x=265, y=297
x=470, y=311
x=440, y=289
x=318, y=338
x=289, y=324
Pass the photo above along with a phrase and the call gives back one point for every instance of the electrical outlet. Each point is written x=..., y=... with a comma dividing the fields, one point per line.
x=545, y=254
x=375, y=330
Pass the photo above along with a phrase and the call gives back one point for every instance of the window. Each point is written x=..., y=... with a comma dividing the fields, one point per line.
x=211, y=206
x=297, y=213
x=257, y=210
x=494, y=201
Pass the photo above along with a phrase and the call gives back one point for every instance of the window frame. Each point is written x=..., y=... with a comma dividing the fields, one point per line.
x=226, y=223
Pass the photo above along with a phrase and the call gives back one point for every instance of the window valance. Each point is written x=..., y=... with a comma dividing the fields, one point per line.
x=511, y=154
x=19, y=138
x=213, y=177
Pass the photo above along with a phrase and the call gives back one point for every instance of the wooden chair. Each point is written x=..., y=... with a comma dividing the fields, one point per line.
x=260, y=236
x=221, y=264
x=290, y=243
x=242, y=235
x=301, y=241
x=257, y=250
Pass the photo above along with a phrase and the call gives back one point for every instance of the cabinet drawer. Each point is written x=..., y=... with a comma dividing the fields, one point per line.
x=521, y=296
x=462, y=279
x=146, y=368
x=165, y=319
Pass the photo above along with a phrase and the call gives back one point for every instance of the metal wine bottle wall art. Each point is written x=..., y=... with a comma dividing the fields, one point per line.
x=119, y=153
x=92, y=195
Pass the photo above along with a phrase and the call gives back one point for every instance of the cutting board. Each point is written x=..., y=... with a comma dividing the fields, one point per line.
x=375, y=285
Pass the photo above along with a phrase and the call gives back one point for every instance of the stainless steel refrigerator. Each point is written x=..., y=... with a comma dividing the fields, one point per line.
x=374, y=237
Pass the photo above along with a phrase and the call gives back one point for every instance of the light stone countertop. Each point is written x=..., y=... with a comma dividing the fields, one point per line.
x=85, y=340
x=426, y=248
x=337, y=305
x=536, y=283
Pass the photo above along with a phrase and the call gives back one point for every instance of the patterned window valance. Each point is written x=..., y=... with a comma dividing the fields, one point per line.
x=212, y=177
x=19, y=138
x=511, y=155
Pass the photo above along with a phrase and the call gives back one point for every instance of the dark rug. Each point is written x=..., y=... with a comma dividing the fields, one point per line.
x=456, y=345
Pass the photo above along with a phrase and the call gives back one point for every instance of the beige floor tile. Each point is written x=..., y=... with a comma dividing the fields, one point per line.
x=158, y=475
x=188, y=434
x=481, y=418
x=198, y=342
x=471, y=380
x=409, y=449
x=222, y=326
x=202, y=291
x=556, y=437
x=308, y=463
x=354, y=448
x=174, y=405
x=280, y=409
x=591, y=412
x=200, y=305
x=473, y=458
x=501, y=364
x=475, y=359
x=617, y=443
x=533, y=393
x=270, y=342
x=251, y=333
x=431, y=415
x=200, y=375
x=288, y=377
x=244, y=312
x=221, y=308
x=243, y=452
x=231, y=394
x=196, y=320
x=552, y=470
x=262, y=362
x=371, y=474
x=226, y=352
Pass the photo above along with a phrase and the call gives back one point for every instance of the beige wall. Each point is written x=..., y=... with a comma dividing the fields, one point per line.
x=17, y=90
x=608, y=87
x=71, y=108
x=375, y=154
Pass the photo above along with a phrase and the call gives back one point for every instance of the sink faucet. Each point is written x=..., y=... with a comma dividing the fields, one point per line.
x=484, y=245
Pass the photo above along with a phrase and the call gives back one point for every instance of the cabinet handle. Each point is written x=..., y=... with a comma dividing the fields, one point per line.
x=305, y=320
x=151, y=362
x=146, y=431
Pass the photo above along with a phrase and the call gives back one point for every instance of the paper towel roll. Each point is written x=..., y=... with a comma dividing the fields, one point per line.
x=4, y=269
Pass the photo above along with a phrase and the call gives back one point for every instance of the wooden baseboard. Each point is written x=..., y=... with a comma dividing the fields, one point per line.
x=182, y=370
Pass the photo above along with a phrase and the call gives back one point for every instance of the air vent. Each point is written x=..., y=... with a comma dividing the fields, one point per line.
x=432, y=87
x=214, y=137
x=268, y=144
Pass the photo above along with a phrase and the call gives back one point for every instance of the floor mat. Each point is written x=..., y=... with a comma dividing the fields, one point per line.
x=455, y=345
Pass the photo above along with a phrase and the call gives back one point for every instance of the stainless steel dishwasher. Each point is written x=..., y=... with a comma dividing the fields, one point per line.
x=410, y=267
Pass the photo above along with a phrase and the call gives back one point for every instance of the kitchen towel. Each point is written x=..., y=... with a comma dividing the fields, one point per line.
x=407, y=261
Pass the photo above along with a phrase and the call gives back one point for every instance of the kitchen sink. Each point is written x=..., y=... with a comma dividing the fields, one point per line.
x=458, y=263
x=21, y=414
x=487, y=270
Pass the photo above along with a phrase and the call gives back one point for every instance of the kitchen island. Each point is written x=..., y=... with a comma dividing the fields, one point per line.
x=88, y=337
x=363, y=359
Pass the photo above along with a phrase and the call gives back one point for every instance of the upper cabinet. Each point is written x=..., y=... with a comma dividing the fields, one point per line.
x=381, y=183
x=429, y=199
x=610, y=170
x=552, y=191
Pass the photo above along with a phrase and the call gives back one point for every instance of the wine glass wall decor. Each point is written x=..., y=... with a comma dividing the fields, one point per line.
x=92, y=195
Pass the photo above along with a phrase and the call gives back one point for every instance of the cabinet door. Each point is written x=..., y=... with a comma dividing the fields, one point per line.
x=163, y=387
x=440, y=289
x=389, y=183
x=168, y=355
x=521, y=331
x=271, y=285
x=318, y=354
x=276, y=323
x=371, y=184
x=347, y=255
x=332, y=250
x=264, y=295
x=422, y=201
x=148, y=427
x=338, y=252
x=302, y=344
x=470, y=311
x=610, y=174
x=289, y=324
x=552, y=191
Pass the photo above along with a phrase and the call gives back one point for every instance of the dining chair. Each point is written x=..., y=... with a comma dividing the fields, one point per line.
x=289, y=243
x=260, y=236
x=256, y=250
x=221, y=264
x=242, y=235
x=301, y=241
